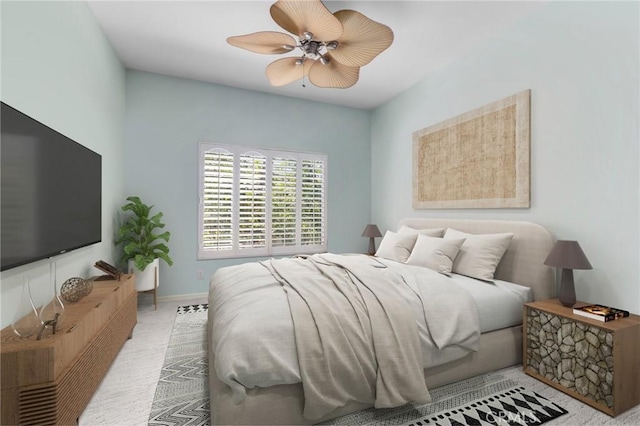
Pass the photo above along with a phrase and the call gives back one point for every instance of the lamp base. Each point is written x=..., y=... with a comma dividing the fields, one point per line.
x=567, y=293
x=372, y=246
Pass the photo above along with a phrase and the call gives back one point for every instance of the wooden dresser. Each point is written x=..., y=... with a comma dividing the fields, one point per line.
x=50, y=381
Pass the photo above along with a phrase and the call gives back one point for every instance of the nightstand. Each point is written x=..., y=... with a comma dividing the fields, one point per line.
x=593, y=361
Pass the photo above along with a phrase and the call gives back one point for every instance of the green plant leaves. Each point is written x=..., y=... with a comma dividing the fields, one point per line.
x=138, y=234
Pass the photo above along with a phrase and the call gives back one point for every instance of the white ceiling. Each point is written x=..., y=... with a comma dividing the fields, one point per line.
x=188, y=39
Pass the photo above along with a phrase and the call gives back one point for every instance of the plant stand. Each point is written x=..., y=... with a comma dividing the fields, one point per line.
x=147, y=281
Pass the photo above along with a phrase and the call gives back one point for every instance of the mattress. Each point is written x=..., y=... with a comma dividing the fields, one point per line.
x=499, y=302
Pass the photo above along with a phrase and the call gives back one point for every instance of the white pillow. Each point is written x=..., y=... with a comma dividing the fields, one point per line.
x=480, y=253
x=435, y=253
x=396, y=246
x=432, y=232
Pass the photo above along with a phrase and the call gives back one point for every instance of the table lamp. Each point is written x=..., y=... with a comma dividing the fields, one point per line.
x=372, y=232
x=569, y=256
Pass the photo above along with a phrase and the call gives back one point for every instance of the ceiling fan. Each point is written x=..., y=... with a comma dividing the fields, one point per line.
x=333, y=45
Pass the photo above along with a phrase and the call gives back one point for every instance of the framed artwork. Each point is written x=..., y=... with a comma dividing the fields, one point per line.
x=479, y=159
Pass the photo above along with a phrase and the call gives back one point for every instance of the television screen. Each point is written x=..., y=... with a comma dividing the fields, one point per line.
x=51, y=199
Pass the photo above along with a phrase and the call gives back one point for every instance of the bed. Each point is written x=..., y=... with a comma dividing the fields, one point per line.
x=259, y=398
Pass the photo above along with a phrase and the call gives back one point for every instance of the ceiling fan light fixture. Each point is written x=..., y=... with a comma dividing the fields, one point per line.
x=332, y=45
x=353, y=40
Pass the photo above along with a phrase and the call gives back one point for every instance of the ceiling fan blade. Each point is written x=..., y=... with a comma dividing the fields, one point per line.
x=268, y=42
x=362, y=40
x=300, y=16
x=333, y=74
x=286, y=70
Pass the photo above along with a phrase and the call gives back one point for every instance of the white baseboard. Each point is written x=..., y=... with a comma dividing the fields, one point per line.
x=177, y=297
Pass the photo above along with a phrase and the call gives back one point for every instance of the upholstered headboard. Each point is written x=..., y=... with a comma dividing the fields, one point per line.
x=523, y=262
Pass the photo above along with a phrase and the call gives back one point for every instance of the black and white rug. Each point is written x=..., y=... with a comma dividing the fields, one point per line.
x=182, y=395
x=490, y=399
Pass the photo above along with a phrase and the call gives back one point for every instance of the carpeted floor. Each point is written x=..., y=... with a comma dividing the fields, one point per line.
x=126, y=394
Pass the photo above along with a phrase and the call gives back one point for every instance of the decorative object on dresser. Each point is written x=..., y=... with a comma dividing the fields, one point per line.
x=479, y=159
x=567, y=255
x=24, y=325
x=600, y=312
x=143, y=246
x=50, y=381
x=595, y=362
x=372, y=232
x=112, y=273
x=75, y=289
x=52, y=313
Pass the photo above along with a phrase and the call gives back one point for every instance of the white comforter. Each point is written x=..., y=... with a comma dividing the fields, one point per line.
x=253, y=330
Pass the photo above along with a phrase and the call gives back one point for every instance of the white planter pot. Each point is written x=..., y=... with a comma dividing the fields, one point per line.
x=147, y=279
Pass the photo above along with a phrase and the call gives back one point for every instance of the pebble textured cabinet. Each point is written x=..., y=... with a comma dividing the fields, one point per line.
x=50, y=381
x=593, y=361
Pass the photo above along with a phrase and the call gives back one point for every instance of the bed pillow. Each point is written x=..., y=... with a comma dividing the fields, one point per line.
x=480, y=253
x=435, y=253
x=432, y=232
x=396, y=246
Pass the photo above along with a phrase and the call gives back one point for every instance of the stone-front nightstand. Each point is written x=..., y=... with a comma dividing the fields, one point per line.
x=593, y=361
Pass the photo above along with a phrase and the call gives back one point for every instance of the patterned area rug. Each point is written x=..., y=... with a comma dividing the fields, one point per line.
x=182, y=395
x=490, y=399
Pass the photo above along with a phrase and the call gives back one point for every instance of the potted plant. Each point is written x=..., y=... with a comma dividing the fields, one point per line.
x=143, y=246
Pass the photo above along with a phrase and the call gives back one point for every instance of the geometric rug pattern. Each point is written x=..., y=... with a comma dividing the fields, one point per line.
x=182, y=395
x=514, y=407
x=489, y=399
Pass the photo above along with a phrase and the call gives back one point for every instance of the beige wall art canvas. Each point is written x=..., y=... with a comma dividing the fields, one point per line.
x=479, y=159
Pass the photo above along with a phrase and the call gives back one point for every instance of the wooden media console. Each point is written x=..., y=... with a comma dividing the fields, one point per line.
x=51, y=381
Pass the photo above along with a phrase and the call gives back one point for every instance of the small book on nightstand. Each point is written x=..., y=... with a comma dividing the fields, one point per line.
x=600, y=312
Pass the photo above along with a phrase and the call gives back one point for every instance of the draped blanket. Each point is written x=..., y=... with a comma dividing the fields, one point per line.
x=356, y=335
x=349, y=327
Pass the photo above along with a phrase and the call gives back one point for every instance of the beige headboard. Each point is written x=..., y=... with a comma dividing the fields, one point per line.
x=523, y=261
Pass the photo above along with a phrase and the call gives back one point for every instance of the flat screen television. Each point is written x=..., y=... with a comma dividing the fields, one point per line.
x=51, y=199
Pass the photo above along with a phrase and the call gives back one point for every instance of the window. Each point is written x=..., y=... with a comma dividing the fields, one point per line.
x=260, y=202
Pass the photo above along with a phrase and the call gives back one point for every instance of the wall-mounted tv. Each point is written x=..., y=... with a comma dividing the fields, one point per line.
x=51, y=199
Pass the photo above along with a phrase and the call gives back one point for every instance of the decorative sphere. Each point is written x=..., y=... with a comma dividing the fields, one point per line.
x=75, y=289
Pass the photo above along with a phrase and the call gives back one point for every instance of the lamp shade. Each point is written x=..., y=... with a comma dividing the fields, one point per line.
x=568, y=255
x=371, y=231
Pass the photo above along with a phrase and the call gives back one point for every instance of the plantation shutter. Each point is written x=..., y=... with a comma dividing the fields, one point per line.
x=217, y=206
x=284, y=201
x=252, y=201
x=260, y=202
x=313, y=202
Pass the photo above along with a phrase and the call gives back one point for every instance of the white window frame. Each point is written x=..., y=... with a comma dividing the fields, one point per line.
x=268, y=250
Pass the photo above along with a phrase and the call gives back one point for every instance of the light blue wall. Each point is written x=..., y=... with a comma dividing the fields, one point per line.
x=579, y=59
x=58, y=67
x=166, y=119
x=581, y=62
